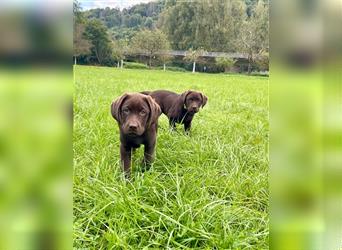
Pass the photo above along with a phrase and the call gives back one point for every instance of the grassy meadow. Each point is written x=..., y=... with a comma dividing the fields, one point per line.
x=208, y=190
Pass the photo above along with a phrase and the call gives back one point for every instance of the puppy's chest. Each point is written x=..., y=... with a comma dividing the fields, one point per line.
x=134, y=142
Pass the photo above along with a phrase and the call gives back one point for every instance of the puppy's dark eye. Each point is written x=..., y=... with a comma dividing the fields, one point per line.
x=143, y=113
x=125, y=111
x=190, y=99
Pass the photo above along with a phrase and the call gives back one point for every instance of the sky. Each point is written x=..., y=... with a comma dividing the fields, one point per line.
x=92, y=4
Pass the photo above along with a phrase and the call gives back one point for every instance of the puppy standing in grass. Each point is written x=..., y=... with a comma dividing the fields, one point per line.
x=137, y=116
x=179, y=108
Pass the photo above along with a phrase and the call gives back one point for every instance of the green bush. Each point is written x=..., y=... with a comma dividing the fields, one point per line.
x=133, y=65
x=225, y=62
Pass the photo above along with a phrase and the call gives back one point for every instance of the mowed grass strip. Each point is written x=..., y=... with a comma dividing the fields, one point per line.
x=208, y=190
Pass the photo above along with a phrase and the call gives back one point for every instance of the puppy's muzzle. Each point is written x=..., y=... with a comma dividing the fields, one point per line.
x=132, y=127
x=194, y=109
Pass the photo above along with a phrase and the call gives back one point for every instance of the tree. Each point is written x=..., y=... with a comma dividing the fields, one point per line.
x=133, y=21
x=250, y=5
x=165, y=57
x=96, y=33
x=120, y=49
x=77, y=11
x=253, y=38
x=150, y=42
x=80, y=44
x=262, y=60
x=225, y=62
x=148, y=22
x=193, y=56
x=212, y=25
x=177, y=22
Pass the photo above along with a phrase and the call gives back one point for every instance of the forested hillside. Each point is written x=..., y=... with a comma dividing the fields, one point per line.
x=108, y=36
x=208, y=24
x=123, y=24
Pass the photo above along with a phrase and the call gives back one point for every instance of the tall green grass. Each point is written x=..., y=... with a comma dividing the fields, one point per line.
x=208, y=190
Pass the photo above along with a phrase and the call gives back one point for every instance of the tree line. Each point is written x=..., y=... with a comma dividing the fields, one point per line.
x=107, y=36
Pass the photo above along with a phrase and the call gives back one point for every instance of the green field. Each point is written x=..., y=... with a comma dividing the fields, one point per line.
x=208, y=190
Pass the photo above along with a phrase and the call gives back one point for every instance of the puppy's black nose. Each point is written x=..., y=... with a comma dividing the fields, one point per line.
x=133, y=126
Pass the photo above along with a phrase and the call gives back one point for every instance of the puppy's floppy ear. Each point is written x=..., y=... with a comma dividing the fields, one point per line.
x=184, y=95
x=116, y=107
x=155, y=110
x=204, y=100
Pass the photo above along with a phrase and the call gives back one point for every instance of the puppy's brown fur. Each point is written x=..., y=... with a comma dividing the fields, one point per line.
x=179, y=108
x=137, y=116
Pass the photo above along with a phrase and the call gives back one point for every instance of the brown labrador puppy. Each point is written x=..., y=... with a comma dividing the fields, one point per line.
x=137, y=116
x=179, y=108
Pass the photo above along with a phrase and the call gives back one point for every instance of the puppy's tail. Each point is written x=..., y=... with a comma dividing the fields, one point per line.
x=146, y=92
